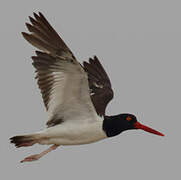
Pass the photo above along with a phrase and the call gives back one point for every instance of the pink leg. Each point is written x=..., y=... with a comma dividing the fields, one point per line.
x=38, y=156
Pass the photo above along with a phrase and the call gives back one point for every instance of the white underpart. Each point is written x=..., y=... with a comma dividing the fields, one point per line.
x=73, y=134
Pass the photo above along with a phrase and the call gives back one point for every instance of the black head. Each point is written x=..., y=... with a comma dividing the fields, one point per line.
x=114, y=125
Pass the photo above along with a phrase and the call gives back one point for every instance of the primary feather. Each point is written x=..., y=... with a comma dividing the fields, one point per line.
x=62, y=80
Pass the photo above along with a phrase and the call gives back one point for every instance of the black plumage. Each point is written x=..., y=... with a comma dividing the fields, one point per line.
x=99, y=84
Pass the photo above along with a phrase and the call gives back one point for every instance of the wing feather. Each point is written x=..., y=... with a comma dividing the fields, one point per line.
x=61, y=79
x=99, y=84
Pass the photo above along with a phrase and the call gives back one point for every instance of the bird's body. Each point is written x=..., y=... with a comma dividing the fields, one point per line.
x=72, y=134
x=75, y=95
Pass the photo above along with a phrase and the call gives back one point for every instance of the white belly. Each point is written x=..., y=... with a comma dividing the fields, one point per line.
x=73, y=134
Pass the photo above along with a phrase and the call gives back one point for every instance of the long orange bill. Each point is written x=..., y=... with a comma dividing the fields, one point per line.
x=138, y=125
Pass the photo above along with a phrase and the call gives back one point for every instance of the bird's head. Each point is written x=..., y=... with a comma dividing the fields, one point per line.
x=114, y=125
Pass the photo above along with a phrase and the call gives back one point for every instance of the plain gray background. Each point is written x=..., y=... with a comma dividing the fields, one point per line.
x=139, y=44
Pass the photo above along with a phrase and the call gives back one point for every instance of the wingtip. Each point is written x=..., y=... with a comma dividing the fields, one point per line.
x=24, y=34
x=29, y=26
x=40, y=14
x=31, y=19
x=35, y=15
x=85, y=63
x=90, y=60
x=95, y=58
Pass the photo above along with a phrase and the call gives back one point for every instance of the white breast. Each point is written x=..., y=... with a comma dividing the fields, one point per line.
x=73, y=133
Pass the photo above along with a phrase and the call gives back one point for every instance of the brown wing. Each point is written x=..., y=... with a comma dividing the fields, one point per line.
x=99, y=84
x=44, y=37
x=62, y=80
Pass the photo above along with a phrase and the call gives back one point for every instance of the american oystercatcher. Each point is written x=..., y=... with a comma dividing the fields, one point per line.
x=74, y=95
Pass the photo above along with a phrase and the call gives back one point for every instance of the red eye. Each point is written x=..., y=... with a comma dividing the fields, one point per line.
x=128, y=118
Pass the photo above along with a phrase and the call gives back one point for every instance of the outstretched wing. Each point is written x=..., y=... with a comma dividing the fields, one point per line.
x=99, y=84
x=61, y=79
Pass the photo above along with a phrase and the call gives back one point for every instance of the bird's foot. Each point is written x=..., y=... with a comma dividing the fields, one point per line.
x=31, y=158
x=38, y=156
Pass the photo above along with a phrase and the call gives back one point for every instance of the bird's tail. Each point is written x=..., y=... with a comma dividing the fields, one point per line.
x=25, y=140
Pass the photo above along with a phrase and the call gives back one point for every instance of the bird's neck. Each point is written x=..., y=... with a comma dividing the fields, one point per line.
x=113, y=125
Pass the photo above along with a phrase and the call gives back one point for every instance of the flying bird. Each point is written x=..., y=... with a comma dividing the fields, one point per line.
x=75, y=95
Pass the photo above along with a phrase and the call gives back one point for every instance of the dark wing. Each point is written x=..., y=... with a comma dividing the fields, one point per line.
x=44, y=37
x=99, y=84
x=61, y=79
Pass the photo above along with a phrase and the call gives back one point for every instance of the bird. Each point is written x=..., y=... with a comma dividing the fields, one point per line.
x=75, y=95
